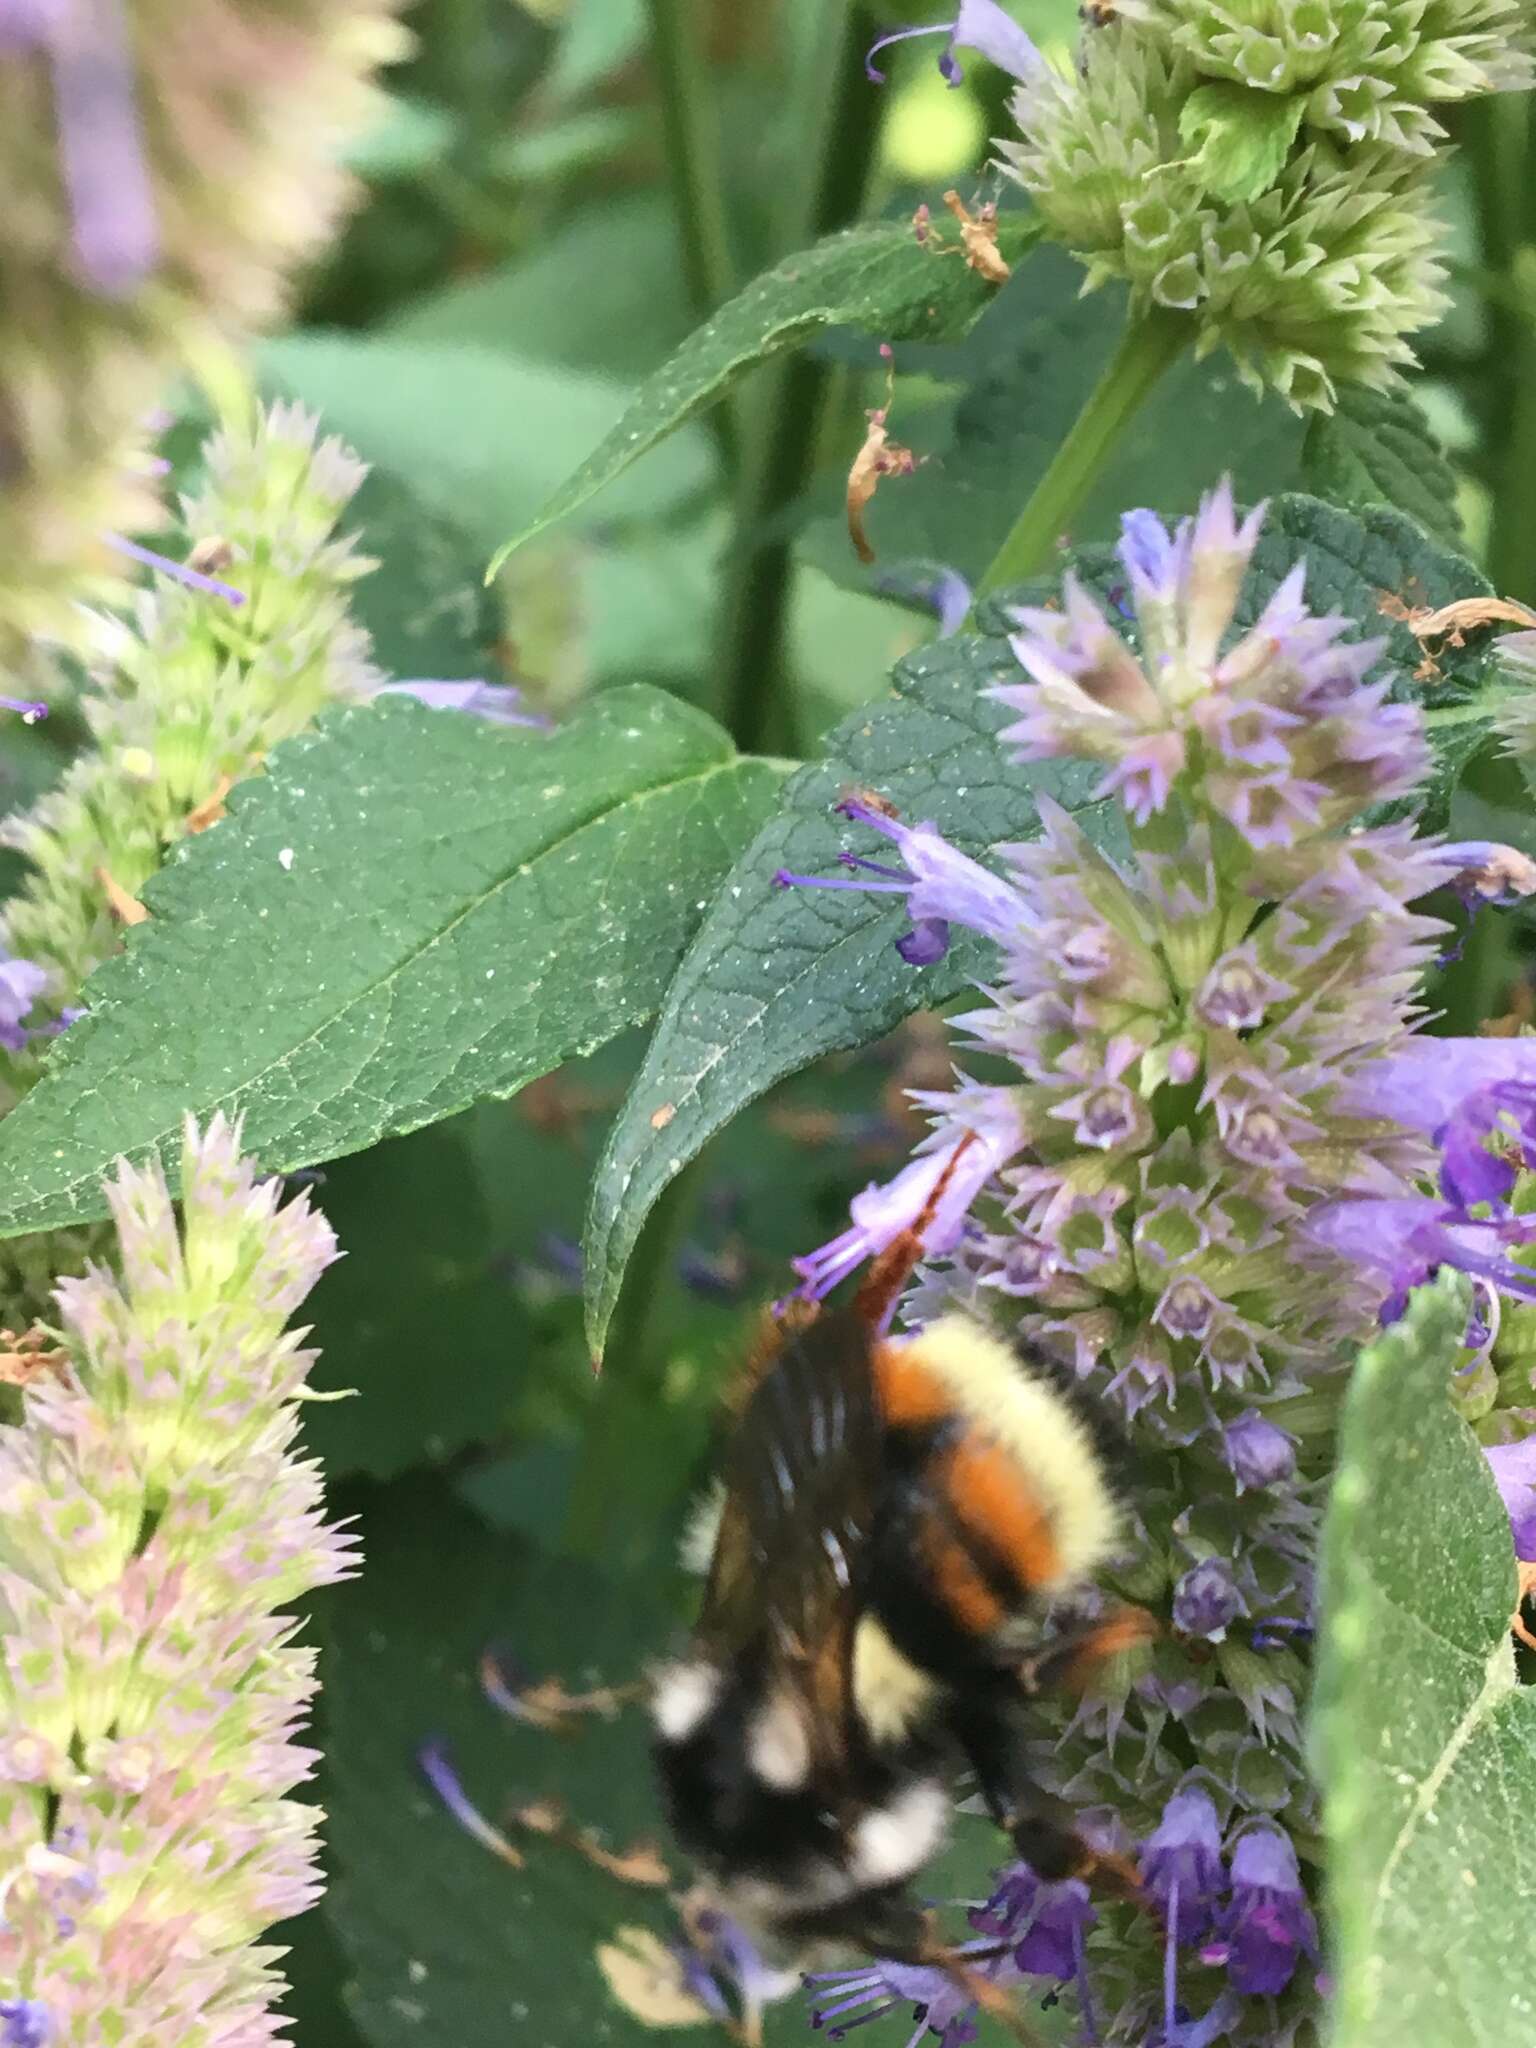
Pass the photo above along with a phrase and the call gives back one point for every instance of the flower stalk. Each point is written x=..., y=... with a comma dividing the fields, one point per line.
x=1147, y=349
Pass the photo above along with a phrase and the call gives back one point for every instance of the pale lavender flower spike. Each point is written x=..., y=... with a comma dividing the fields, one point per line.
x=981, y=26
x=148, y=1730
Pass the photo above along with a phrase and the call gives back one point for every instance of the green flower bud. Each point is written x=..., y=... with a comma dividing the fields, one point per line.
x=1261, y=166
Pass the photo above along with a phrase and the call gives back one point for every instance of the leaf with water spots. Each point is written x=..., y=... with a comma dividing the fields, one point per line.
x=411, y=910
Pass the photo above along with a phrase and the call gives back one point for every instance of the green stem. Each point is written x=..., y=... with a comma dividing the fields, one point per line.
x=693, y=164
x=1147, y=348
x=1512, y=537
x=1501, y=150
x=786, y=421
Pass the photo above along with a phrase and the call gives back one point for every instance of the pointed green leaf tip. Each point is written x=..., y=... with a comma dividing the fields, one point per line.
x=879, y=278
x=1425, y=1742
x=1240, y=138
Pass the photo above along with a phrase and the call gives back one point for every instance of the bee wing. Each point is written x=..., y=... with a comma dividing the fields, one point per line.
x=802, y=1473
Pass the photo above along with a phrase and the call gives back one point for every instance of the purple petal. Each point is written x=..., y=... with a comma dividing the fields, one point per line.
x=982, y=26
x=117, y=237
x=1514, y=1471
x=437, y=1768
x=881, y=1213
x=179, y=571
x=1405, y=1239
x=496, y=703
x=986, y=29
x=1424, y=1081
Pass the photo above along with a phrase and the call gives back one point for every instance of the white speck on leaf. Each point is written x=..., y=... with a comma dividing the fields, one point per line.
x=285, y=859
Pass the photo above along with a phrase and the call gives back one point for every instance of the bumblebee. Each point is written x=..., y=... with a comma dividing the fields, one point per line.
x=893, y=1520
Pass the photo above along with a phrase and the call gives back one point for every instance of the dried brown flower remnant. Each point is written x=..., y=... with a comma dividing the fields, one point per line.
x=125, y=908
x=879, y=457
x=978, y=238
x=25, y=1358
x=212, y=807
x=1451, y=622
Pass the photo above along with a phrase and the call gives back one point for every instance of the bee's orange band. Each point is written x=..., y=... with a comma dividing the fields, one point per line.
x=992, y=1499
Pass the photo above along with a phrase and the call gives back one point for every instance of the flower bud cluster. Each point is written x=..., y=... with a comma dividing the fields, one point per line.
x=155, y=1520
x=1257, y=165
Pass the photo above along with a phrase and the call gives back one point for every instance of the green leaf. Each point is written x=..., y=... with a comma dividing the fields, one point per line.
x=1239, y=137
x=777, y=977
x=483, y=436
x=441, y=1941
x=418, y=1316
x=411, y=910
x=426, y=605
x=603, y=292
x=877, y=278
x=1425, y=1743
x=1376, y=449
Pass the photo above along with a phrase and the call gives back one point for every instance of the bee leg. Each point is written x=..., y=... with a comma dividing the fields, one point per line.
x=1069, y=1662
x=1041, y=1827
x=890, y=1924
x=889, y=1273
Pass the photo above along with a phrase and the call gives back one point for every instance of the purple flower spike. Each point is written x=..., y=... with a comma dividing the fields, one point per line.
x=1182, y=1865
x=24, y=2023
x=496, y=703
x=117, y=237
x=1514, y=1470
x=1269, y=1925
x=194, y=579
x=31, y=708
x=1259, y=1452
x=981, y=26
x=1206, y=1601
